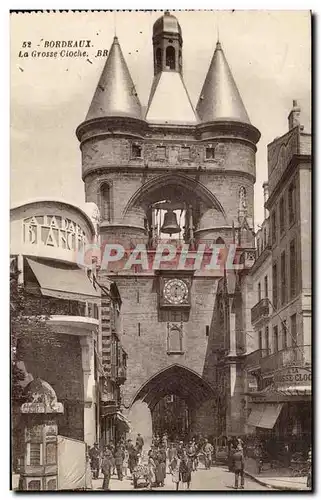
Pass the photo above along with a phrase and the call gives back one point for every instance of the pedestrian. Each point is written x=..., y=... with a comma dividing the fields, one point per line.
x=185, y=470
x=171, y=453
x=230, y=448
x=139, y=443
x=238, y=465
x=151, y=472
x=180, y=449
x=191, y=452
x=113, y=468
x=174, y=469
x=125, y=462
x=88, y=478
x=94, y=454
x=161, y=457
x=106, y=467
x=132, y=458
x=165, y=440
x=119, y=459
x=158, y=470
x=207, y=450
x=309, y=478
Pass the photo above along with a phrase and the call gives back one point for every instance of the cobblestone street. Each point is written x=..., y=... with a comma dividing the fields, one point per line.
x=215, y=479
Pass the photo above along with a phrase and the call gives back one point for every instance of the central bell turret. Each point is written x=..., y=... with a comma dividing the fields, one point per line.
x=169, y=102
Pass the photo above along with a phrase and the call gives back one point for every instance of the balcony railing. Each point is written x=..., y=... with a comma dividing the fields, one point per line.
x=253, y=359
x=53, y=307
x=260, y=311
x=293, y=356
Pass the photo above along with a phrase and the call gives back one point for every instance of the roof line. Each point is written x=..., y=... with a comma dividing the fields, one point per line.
x=55, y=200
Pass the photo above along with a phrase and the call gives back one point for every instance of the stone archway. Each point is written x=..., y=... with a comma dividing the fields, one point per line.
x=175, y=380
x=180, y=186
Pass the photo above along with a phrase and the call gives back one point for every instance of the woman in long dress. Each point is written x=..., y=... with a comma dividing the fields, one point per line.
x=161, y=457
x=151, y=472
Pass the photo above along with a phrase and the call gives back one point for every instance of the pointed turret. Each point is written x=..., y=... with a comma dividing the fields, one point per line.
x=220, y=98
x=115, y=93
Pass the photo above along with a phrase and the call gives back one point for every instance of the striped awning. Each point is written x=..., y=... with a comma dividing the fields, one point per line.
x=63, y=282
x=265, y=415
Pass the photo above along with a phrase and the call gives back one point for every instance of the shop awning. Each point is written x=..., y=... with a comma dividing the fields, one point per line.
x=63, y=282
x=265, y=415
x=122, y=420
x=256, y=415
x=270, y=415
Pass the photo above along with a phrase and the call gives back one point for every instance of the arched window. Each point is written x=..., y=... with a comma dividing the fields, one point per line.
x=105, y=202
x=221, y=254
x=180, y=59
x=158, y=59
x=170, y=58
x=242, y=196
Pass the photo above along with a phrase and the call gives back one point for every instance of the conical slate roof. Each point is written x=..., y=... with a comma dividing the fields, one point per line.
x=220, y=98
x=115, y=93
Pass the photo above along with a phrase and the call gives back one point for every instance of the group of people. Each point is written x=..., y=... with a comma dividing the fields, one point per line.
x=115, y=459
x=178, y=458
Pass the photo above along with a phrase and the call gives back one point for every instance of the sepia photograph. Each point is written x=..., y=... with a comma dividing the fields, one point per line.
x=160, y=251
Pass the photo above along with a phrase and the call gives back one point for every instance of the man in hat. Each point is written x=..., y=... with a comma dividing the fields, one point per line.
x=238, y=463
x=107, y=464
x=207, y=450
x=139, y=443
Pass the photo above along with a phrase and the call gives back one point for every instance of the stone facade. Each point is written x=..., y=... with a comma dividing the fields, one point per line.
x=129, y=164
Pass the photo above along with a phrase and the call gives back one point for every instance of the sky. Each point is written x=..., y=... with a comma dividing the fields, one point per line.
x=268, y=53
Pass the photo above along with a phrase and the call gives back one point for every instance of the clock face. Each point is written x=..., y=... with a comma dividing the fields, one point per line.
x=175, y=291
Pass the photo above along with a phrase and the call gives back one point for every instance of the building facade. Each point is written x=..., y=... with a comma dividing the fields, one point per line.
x=281, y=317
x=48, y=242
x=183, y=171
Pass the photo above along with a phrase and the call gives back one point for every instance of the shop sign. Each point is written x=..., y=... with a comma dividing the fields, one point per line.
x=292, y=376
x=53, y=231
x=252, y=383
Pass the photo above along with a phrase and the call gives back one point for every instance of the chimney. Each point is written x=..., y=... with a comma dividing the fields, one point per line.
x=266, y=195
x=294, y=116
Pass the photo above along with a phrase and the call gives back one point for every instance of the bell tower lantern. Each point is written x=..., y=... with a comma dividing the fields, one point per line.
x=167, y=44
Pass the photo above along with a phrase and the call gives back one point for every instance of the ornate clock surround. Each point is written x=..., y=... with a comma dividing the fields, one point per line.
x=175, y=289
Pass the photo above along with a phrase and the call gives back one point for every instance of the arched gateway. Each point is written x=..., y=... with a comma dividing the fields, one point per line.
x=170, y=401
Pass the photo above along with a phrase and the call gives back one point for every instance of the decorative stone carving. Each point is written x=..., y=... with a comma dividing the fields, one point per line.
x=41, y=398
x=248, y=258
x=174, y=338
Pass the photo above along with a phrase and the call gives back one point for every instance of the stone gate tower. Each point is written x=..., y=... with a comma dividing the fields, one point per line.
x=176, y=170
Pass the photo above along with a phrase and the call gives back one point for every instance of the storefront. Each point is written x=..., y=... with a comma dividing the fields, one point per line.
x=281, y=414
x=114, y=426
x=48, y=238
